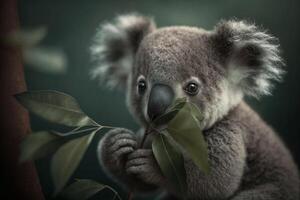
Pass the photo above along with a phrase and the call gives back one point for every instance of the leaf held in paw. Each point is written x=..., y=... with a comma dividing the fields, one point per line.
x=170, y=161
x=185, y=129
x=170, y=113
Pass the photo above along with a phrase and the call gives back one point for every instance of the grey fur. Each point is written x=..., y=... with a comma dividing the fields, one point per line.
x=248, y=159
x=254, y=52
x=115, y=45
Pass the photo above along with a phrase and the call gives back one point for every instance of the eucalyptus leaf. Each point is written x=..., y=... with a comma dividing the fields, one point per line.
x=170, y=161
x=185, y=129
x=83, y=189
x=179, y=100
x=55, y=107
x=25, y=37
x=67, y=159
x=165, y=118
x=170, y=112
x=39, y=144
x=52, y=60
x=195, y=111
x=178, y=103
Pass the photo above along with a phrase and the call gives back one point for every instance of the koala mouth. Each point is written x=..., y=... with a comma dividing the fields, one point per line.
x=160, y=98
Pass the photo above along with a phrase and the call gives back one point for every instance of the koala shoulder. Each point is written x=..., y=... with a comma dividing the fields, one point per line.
x=267, y=157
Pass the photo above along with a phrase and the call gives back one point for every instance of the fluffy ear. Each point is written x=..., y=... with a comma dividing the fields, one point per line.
x=115, y=45
x=251, y=56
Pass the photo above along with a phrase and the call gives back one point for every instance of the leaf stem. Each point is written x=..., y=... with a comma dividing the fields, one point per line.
x=147, y=131
x=108, y=127
x=75, y=131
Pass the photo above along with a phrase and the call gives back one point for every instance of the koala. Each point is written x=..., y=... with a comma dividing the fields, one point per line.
x=214, y=69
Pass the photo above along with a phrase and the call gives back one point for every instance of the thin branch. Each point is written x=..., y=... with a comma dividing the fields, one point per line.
x=76, y=132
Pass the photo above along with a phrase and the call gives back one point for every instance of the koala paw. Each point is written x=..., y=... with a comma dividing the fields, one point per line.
x=115, y=146
x=142, y=164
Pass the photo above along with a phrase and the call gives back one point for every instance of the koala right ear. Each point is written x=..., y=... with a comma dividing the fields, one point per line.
x=252, y=56
x=115, y=45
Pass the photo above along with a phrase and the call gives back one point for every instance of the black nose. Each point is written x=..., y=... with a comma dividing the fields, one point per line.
x=161, y=96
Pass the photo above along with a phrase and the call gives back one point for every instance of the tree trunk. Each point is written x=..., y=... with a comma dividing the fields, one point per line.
x=17, y=181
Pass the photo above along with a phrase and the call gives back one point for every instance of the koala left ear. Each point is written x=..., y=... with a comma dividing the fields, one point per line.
x=115, y=45
x=250, y=55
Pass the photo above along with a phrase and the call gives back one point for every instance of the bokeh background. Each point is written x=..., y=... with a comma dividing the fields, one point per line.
x=72, y=25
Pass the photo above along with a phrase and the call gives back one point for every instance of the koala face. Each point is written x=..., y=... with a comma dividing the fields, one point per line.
x=182, y=60
x=213, y=69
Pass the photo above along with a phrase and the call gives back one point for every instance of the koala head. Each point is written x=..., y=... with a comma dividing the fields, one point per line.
x=213, y=69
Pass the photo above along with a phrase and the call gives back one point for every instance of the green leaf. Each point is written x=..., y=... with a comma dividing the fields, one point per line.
x=83, y=189
x=55, y=107
x=46, y=59
x=177, y=104
x=67, y=158
x=39, y=144
x=165, y=118
x=195, y=111
x=25, y=38
x=170, y=113
x=170, y=161
x=185, y=129
x=180, y=100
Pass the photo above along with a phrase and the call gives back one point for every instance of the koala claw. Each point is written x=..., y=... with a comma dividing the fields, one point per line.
x=122, y=142
x=118, y=143
x=142, y=164
x=141, y=153
x=121, y=152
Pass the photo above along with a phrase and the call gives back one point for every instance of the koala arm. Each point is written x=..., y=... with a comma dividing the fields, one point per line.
x=261, y=192
x=122, y=160
x=112, y=151
x=227, y=160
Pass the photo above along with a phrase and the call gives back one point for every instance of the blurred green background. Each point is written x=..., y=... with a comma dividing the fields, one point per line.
x=72, y=24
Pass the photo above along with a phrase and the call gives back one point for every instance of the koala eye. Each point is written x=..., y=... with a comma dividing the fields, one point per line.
x=191, y=89
x=142, y=86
